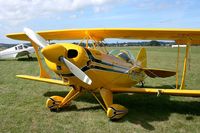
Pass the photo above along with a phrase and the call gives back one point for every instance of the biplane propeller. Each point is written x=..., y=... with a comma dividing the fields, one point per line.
x=46, y=49
x=86, y=68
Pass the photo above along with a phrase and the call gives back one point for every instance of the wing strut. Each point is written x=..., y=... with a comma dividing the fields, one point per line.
x=189, y=42
x=177, y=66
x=185, y=66
x=43, y=73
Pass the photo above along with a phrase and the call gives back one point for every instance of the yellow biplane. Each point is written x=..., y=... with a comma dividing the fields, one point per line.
x=89, y=69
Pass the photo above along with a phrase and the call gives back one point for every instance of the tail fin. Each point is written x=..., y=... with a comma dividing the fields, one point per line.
x=141, y=60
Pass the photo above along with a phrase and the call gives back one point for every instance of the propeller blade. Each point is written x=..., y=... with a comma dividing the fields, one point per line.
x=40, y=41
x=76, y=71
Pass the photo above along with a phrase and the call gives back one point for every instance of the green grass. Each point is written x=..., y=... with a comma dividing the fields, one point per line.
x=22, y=102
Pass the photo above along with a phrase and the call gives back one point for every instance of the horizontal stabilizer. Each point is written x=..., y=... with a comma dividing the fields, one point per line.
x=52, y=81
x=153, y=73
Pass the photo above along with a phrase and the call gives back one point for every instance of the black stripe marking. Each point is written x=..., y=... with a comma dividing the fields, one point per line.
x=51, y=99
x=117, y=112
x=94, y=67
x=92, y=58
x=107, y=69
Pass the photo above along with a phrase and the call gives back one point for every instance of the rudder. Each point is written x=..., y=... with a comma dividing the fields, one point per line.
x=141, y=60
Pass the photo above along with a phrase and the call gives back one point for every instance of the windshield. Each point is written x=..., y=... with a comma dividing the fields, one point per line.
x=123, y=55
x=25, y=46
x=20, y=47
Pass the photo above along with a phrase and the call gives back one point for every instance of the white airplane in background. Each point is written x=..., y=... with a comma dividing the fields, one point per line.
x=16, y=51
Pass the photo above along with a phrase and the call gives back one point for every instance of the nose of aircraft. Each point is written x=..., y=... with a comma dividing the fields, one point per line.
x=53, y=52
x=57, y=53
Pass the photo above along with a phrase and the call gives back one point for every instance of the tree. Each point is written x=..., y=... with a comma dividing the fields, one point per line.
x=154, y=43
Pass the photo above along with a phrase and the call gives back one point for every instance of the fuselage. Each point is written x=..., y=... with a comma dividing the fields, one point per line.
x=105, y=71
x=16, y=51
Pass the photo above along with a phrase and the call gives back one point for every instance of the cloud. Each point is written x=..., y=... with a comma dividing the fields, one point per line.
x=17, y=11
x=160, y=5
x=14, y=12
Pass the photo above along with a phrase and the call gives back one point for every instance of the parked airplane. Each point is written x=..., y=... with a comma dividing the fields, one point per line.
x=89, y=69
x=16, y=52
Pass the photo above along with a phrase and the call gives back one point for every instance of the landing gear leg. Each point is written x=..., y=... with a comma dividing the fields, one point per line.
x=55, y=103
x=114, y=111
x=142, y=84
x=30, y=57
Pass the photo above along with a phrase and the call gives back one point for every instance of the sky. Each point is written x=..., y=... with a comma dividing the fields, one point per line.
x=64, y=14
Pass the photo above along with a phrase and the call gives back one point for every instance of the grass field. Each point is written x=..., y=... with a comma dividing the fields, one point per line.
x=22, y=102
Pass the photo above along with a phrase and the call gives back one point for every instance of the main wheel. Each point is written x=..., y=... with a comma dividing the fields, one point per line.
x=53, y=103
x=116, y=111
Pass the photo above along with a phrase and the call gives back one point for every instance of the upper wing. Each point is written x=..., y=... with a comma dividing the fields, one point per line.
x=52, y=81
x=179, y=35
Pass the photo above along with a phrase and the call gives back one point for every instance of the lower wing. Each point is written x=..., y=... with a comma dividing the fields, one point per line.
x=158, y=91
x=52, y=81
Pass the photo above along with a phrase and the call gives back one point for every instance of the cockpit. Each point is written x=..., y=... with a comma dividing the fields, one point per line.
x=124, y=55
x=20, y=47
